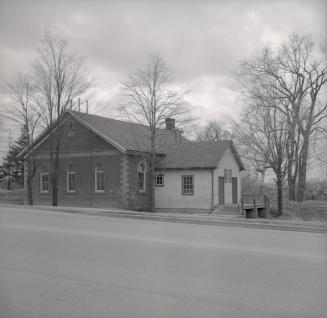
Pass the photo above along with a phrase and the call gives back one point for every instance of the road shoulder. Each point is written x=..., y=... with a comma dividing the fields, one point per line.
x=204, y=219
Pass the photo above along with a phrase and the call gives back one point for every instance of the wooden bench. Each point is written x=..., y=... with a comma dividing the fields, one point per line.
x=254, y=205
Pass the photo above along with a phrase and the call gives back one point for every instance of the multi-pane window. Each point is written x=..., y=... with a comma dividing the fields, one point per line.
x=226, y=175
x=44, y=182
x=159, y=180
x=187, y=185
x=71, y=124
x=99, y=179
x=71, y=127
x=71, y=179
x=230, y=175
x=141, y=176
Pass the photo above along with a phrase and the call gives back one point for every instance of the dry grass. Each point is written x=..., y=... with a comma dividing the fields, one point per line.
x=305, y=211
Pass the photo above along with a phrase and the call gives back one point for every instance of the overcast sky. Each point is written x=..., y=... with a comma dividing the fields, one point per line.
x=202, y=41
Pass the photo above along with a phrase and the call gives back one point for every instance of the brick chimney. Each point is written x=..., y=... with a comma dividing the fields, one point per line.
x=170, y=123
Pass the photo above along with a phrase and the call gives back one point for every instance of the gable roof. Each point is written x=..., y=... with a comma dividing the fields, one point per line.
x=178, y=152
x=201, y=155
x=126, y=135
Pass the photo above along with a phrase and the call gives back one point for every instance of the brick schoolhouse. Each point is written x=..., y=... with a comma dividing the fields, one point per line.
x=103, y=164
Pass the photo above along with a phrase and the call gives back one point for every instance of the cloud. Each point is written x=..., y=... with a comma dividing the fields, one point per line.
x=202, y=41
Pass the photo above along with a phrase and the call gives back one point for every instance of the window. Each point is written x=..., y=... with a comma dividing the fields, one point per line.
x=71, y=124
x=159, y=180
x=71, y=179
x=99, y=179
x=187, y=185
x=71, y=127
x=230, y=174
x=141, y=169
x=226, y=175
x=44, y=181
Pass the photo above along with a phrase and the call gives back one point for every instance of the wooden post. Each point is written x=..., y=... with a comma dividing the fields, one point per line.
x=255, y=209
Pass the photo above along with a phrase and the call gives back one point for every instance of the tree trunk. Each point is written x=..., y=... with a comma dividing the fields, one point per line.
x=303, y=161
x=152, y=173
x=55, y=166
x=279, y=195
x=291, y=188
x=54, y=195
x=56, y=178
x=29, y=191
x=9, y=182
x=292, y=149
x=152, y=185
x=31, y=168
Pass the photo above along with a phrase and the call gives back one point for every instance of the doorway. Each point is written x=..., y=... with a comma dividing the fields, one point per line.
x=221, y=190
x=234, y=190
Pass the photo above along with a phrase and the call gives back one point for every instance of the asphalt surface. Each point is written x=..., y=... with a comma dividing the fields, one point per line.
x=55, y=264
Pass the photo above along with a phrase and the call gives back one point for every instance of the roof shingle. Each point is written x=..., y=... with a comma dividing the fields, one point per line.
x=194, y=155
x=179, y=155
x=178, y=152
x=131, y=136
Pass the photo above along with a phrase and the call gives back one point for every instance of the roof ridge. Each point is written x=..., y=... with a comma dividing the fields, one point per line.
x=108, y=118
x=211, y=141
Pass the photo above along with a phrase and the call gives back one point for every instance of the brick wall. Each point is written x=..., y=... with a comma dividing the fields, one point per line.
x=84, y=151
x=85, y=194
x=79, y=139
x=137, y=200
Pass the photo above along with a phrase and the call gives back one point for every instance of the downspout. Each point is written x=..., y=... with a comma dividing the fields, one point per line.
x=212, y=190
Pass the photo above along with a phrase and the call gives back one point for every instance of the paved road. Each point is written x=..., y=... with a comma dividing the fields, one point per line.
x=56, y=264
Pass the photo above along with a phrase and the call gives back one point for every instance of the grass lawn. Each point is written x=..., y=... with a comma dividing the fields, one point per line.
x=310, y=210
x=305, y=211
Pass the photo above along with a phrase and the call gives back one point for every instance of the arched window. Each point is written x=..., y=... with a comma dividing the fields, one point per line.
x=70, y=128
x=99, y=178
x=44, y=180
x=71, y=179
x=71, y=124
x=141, y=169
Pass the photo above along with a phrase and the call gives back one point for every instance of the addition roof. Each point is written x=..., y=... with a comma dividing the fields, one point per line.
x=197, y=155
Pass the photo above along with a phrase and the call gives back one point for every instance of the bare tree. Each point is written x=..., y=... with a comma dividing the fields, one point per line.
x=60, y=78
x=149, y=100
x=213, y=131
x=22, y=109
x=263, y=130
x=295, y=77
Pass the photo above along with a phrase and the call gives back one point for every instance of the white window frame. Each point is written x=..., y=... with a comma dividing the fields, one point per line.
x=141, y=163
x=41, y=182
x=99, y=169
x=70, y=172
x=183, y=189
x=162, y=180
